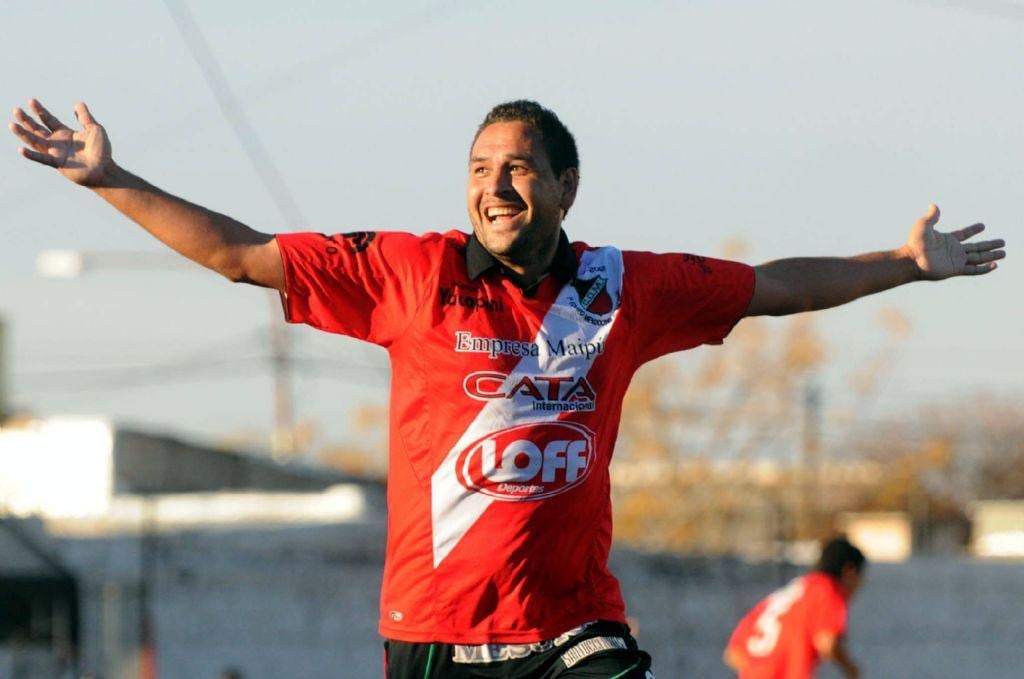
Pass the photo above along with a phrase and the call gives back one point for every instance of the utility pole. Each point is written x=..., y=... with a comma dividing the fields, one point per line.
x=71, y=264
x=810, y=459
x=282, y=442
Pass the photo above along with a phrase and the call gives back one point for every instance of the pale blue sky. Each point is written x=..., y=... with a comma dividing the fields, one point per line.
x=804, y=128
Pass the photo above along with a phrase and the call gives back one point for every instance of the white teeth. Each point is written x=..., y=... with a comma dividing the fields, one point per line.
x=493, y=212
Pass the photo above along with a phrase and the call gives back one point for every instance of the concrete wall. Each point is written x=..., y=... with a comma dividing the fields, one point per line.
x=27, y=662
x=150, y=463
x=293, y=603
x=285, y=602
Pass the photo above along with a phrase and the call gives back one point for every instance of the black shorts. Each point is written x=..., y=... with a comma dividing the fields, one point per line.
x=604, y=650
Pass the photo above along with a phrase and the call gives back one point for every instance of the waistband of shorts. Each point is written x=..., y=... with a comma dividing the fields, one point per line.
x=486, y=653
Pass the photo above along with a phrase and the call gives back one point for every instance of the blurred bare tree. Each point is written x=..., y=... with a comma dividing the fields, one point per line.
x=701, y=461
x=719, y=451
x=940, y=459
x=724, y=447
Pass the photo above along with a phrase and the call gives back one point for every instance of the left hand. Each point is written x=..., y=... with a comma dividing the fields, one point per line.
x=944, y=255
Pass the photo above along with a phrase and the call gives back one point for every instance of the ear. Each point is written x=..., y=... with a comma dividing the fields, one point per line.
x=570, y=181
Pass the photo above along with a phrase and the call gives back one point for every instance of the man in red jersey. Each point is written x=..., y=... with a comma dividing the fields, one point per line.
x=791, y=630
x=511, y=351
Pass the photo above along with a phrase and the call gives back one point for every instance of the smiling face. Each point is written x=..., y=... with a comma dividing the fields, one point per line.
x=515, y=201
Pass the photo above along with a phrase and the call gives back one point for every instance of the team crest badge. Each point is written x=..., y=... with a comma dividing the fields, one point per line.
x=593, y=294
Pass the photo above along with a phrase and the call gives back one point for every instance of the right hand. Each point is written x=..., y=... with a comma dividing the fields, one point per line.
x=83, y=156
x=939, y=255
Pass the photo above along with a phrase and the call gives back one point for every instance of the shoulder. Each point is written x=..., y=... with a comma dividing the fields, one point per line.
x=429, y=242
x=368, y=253
x=363, y=240
x=824, y=586
x=684, y=261
x=586, y=253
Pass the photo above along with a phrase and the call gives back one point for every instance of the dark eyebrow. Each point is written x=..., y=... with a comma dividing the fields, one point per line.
x=523, y=157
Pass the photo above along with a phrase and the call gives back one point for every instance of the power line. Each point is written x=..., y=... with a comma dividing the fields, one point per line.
x=239, y=367
x=246, y=134
x=289, y=78
x=143, y=376
x=283, y=441
x=229, y=359
x=345, y=371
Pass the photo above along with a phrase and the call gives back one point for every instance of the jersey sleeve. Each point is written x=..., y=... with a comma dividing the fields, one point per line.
x=364, y=284
x=828, y=613
x=680, y=301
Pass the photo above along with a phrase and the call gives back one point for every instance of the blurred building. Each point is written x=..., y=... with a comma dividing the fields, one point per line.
x=882, y=536
x=38, y=603
x=97, y=521
x=997, y=528
x=79, y=468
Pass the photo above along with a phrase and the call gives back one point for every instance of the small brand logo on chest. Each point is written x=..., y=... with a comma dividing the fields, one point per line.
x=471, y=299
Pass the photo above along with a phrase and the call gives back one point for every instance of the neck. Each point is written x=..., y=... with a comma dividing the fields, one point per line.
x=531, y=265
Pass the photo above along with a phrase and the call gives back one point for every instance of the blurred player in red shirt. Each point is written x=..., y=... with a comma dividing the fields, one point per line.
x=788, y=632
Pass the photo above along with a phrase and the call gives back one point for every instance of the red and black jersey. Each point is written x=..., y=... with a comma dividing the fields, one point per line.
x=505, y=406
x=776, y=638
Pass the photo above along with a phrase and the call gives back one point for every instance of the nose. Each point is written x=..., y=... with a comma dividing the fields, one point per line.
x=500, y=182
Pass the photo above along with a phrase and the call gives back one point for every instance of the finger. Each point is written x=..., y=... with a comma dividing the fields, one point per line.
x=44, y=158
x=83, y=114
x=28, y=121
x=29, y=138
x=984, y=245
x=982, y=257
x=968, y=231
x=979, y=269
x=50, y=120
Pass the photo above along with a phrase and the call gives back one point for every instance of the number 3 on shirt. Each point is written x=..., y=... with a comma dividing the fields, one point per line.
x=767, y=626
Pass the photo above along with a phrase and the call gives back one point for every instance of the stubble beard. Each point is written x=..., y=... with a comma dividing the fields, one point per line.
x=525, y=247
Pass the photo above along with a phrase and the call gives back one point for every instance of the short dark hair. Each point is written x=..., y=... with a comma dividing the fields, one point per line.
x=558, y=141
x=836, y=554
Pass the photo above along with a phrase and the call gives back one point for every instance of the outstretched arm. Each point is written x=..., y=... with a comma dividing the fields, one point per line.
x=789, y=286
x=83, y=156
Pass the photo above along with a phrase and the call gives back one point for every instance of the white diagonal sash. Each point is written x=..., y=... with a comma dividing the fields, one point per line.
x=454, y=507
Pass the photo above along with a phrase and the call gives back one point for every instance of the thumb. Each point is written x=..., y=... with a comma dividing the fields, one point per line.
x=931, y=217
x=926, y=223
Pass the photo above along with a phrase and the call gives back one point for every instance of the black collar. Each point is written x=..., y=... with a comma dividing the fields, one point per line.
x=479, y=261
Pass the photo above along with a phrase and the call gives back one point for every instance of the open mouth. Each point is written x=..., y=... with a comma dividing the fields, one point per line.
x=503, y=213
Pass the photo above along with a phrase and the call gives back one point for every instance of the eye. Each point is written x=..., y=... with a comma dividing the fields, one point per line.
x=479, y=170
x=518, y=169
